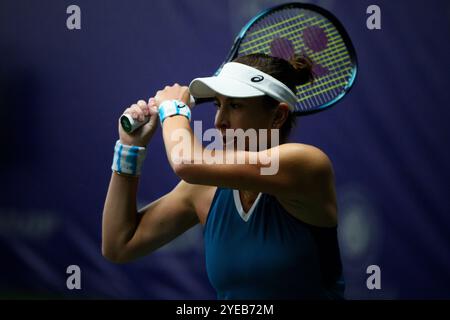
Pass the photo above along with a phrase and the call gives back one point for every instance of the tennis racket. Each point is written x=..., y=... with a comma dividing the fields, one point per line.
x=298, y=28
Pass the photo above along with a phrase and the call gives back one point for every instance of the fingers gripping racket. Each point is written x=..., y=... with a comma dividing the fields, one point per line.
x=297, y=28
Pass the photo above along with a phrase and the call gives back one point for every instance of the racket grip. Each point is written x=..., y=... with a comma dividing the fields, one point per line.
x=129, y=124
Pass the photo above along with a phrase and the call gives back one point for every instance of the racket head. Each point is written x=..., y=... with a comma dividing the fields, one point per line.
x=298, y=28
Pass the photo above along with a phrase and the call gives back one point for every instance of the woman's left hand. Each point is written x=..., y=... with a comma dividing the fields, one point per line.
x=175, y=92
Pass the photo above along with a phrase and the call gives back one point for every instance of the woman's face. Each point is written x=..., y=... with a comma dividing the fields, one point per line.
x=247, y=113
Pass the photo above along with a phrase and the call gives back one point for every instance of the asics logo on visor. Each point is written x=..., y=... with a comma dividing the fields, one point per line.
x=257, y=79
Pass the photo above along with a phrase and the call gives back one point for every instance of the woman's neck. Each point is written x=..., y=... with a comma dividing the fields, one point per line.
x=248, y=194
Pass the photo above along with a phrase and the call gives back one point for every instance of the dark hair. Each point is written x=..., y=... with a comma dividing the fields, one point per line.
x=295, y=72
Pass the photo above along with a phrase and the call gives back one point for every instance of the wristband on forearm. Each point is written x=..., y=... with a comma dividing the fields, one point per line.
x=172, y=108
x=128, y=159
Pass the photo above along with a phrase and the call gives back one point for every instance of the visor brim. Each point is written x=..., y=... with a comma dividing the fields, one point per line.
x=211, y=86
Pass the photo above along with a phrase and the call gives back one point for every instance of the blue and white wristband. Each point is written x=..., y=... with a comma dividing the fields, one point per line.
x=128, y=159
x=173, y=107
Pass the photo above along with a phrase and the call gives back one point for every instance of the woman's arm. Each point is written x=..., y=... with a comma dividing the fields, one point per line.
x=299, y=173
x=128, y=234
x=288, y=169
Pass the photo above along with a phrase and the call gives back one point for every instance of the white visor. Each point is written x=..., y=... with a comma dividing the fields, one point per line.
x=237, y=80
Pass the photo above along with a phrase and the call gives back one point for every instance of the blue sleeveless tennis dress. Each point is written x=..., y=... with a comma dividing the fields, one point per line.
x=267, y=253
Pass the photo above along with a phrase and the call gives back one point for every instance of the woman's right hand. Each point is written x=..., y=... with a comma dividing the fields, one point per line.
x=141, y=136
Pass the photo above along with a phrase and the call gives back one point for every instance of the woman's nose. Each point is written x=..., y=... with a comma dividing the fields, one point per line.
x=221, y=122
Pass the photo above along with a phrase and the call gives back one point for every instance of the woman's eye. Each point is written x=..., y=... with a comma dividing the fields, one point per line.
x=231, y=105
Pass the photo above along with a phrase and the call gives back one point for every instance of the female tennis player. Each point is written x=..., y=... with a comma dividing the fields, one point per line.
x=267, y=236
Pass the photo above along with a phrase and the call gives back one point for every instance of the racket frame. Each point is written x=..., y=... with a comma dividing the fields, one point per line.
x=328, y=15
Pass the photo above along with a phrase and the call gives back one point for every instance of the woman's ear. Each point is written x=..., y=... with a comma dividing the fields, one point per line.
x=280, y=116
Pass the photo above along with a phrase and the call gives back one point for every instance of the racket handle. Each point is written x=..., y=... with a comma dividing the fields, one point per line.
x=129, y=124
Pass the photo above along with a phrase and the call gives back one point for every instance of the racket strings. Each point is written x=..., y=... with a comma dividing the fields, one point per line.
x=266, y=37
x=335, y=46
x=287, y=32
x=294, y=31
x=335, y=39
x=329, y=51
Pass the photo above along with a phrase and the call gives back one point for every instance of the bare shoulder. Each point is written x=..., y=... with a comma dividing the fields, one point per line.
x=199, y=196
x=306, y=153
x=313, y=199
